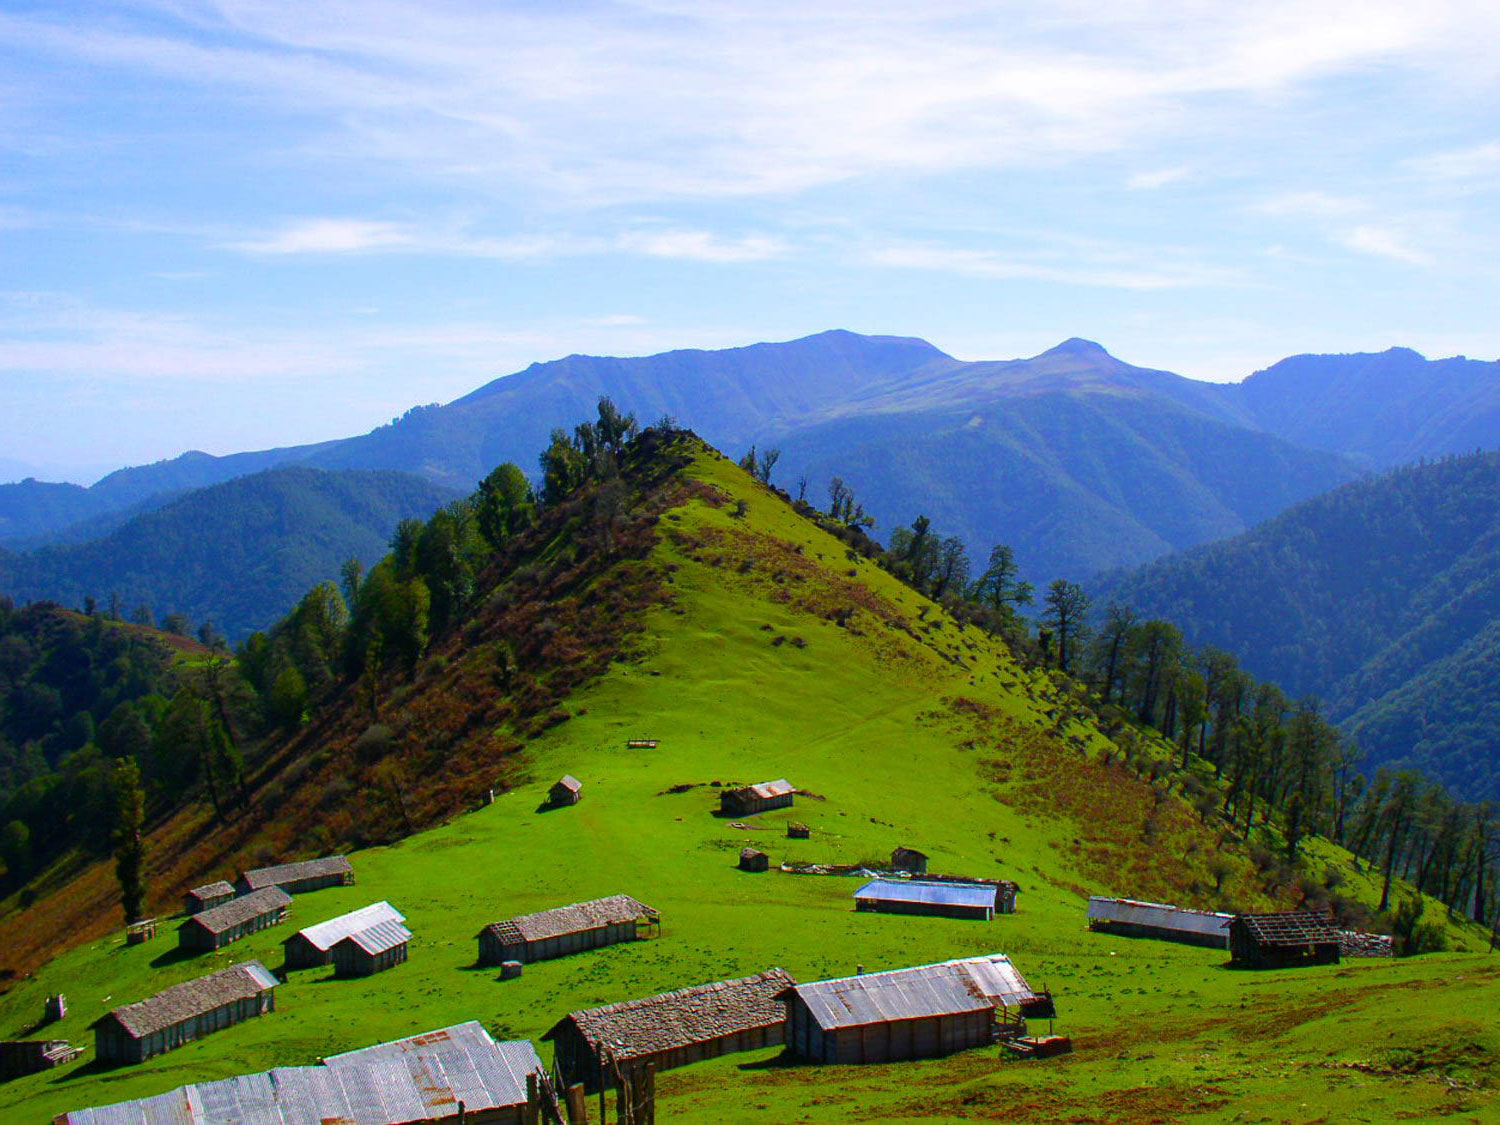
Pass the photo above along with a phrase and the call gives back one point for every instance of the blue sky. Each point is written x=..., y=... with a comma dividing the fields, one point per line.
x=236, y=225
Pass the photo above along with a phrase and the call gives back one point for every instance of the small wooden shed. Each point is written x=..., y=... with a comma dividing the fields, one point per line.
x=138, y=933
x=566, y=929
x=313, y=946
x=184, y=1012
x=915, y=1013
x=750, y=799
x=1280, y=941
x=753, y=859
x=206, y=897
x=567, y=790
x=235, y=919
x=20, y=1057
x=909, y=859
x=913, y=896
x=796, y=830
x=298, y=878
x=671, y=1030
x=371, y=950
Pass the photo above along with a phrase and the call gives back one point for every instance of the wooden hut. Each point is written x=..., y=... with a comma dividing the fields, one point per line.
x=910, y=860
x=140, y=932
x=913, y=1013
x=753, y=859
x=670, y=1030
x=237, y=918
x=20, y=1057
x=184, y=1012
x=206, y=897
x=453, y=1076
x=750, y=799
x=297, y=878
x=1280, y=941
x=566, y=929
x=1129, y=918
x=567, y=790
x=313, y=946
x=371, y=950
x=796, y=830
x=912, y=896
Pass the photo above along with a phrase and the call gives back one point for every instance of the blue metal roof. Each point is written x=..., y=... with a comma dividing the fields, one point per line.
x=976, y=895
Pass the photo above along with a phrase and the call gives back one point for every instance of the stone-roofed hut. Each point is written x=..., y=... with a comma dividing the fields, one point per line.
x=912, y=896
x=208, y=896
x=184, y=1012
x=20, y=1057
x=371, y=950
x=297, y=878
x=566, y=929
x=1279, y=941
x=916, y=1013
x=750, y=799
x=909, y=859
x=1130, y=918
x=439, y=1077
x=567, y=790
x=753, y=859
x=309, y=948
x=673, y=1029
x=237, y=918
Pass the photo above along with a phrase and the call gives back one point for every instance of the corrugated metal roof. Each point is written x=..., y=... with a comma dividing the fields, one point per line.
x=325, y=935
x=947, y=988
x=292, y=872
x=570, y=783
x=193, y=998
x=226, y=916
x=768, y=789
x=410, y=1080
x=934, y=894
x=377, y=938
x=577, y=917
x=1159, y=915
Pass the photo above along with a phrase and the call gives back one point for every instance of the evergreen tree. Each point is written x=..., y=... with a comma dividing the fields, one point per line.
x=130, y=821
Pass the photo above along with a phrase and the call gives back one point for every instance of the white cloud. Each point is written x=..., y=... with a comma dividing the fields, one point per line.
x=1149, y=181
x=1110, y=269
x=1311, y=204
x=701, y=246
x=1481, y=160
x=329, y=236
x=1383, y=242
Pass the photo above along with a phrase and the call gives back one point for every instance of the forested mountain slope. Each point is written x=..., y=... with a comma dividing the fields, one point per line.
x=238, y=554
x=675, y=599
x=1382, y=597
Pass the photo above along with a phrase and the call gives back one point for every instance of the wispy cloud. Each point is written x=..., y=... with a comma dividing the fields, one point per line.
x=1482, y=160
x=1112, y=269
x=1383, y=242
x=1150, y=181
x=1311, y=204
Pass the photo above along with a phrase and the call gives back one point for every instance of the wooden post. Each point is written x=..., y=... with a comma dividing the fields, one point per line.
x=648, y=1117
x=531, y=1115
x=578, y=1109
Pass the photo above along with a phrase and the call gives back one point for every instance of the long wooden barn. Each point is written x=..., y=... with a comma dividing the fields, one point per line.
x=913, y=896
x=298, y=878
x=235, y=919
x=187, y=1011
x=1130, y=918
x=566, y=929
x=749, y=799
x=455, y=1074
x=671, y=1030
x=915, y=1013
x=313, y=946
x=207, y=897
x=1281, y=941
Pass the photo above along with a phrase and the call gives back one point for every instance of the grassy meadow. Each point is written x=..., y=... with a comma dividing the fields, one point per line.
x=908, y=729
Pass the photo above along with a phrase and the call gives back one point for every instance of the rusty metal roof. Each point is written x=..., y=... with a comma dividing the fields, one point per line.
x=635, y=1028
x=295, y=872
x=948, y=988
x=1158, y=915
x=591, y=915
x=193, y=998
x=411, y=1080
x=236, y=912
x=768, y=789
x=976, y=895
x=325, y=935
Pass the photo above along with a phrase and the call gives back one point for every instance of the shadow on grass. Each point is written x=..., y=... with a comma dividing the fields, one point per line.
x=548, y=806
x=89, y=1070
x=784, y=1061
x=175, y=956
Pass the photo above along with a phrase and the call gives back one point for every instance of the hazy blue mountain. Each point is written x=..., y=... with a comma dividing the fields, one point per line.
x=1382, y=598
x=239, y=553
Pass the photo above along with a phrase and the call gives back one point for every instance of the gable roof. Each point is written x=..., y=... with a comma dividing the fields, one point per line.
x=325, y=935
x=689, y=1015
x=294, y=872
x=768, y=789
x=976, y=895
x=192, y=998
x=1159, y=915
x=377, y=938
x=591, y=915
x=1294, y=928
x=212, y=890
x=948, y=988
x=227, y=915
x=568, y=782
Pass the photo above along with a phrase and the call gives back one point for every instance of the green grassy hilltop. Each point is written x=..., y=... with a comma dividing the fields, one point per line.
x=905, y=728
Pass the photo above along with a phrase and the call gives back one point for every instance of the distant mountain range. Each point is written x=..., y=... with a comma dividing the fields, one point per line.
x=1079, y=461
x=1382, y=597
x=239, y=553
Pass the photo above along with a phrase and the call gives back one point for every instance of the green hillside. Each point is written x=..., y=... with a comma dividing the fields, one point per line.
x=779, y=652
